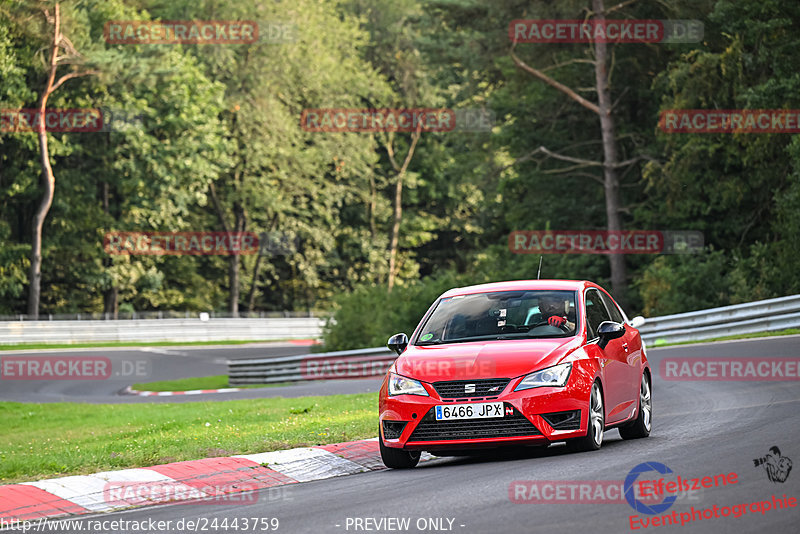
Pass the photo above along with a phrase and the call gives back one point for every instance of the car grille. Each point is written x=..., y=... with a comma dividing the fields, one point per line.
x=516, y=425
x=393, y=429
x=455, y=389
x=564, y=420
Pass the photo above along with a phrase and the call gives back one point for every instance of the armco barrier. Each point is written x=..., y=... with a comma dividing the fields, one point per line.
x=358, y=363
x=148, y=330
x=761, y=316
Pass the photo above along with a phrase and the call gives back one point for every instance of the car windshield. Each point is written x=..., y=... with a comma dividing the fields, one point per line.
x=500, y=315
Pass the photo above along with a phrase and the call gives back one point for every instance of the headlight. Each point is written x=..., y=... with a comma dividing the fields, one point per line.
x=400, y=385
x=556, y=376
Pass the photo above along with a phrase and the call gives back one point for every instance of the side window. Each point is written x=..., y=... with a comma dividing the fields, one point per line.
x=595, y=312
x=616, y=315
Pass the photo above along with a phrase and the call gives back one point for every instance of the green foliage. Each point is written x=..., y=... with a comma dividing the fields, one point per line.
x=227, y=116
x=681, y=283
x=369, y=315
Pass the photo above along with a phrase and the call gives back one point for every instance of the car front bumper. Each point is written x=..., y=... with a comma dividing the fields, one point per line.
x=537, y=416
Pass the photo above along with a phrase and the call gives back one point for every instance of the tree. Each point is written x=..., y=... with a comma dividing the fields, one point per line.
x=739, y=189
x=603, y=108
x=307, y=186
x=394, y=51
x=57, y=43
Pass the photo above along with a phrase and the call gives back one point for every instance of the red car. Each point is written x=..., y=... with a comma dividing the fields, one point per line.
x=515, y=363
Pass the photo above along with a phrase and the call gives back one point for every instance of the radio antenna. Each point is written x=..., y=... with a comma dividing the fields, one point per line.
x=539, y=274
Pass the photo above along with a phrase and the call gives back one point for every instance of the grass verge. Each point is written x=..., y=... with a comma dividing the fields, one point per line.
x=201, y=382
x=787, y=332
x=59, y=439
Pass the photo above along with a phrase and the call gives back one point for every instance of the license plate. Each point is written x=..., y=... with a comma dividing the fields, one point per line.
x=481, y=410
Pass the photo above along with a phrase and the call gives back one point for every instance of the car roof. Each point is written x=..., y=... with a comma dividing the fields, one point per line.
x=519, y=285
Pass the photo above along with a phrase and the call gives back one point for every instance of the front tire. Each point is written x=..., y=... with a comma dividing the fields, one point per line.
x=640, y=428
x=595, y=428
x=397, y=458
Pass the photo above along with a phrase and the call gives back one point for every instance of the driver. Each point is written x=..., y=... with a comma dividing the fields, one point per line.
x=554, y=312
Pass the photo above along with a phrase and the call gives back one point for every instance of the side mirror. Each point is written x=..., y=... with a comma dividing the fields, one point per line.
x=609, y=330
x=398, y=343
x=637, y=321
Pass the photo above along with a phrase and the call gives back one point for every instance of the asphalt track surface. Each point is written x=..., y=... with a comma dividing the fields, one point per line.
x=150, y=364
x=699, y=429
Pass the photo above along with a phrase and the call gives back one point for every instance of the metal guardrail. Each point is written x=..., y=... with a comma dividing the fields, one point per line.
x=161, y=314
x=358, y=363
x=144, y=331
x=761, y=316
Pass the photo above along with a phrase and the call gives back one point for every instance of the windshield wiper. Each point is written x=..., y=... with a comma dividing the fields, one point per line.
x=491, y=337
x=459, y=340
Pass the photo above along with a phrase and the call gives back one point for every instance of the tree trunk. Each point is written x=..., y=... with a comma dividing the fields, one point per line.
x=240, y=218
x=233, y=276
x=48, y=181
x=371, y=208
x=395, y=236
x=610, y=157
x=251, y=299
x=398, y=200
x=233, y=265
x=111, y=295
x=111, y=302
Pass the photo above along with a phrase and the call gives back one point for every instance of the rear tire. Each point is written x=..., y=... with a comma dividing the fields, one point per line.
x=640, y=428
x=595, y=428
x=397, y=458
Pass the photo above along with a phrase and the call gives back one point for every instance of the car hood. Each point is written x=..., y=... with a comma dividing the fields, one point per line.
x=484, y=359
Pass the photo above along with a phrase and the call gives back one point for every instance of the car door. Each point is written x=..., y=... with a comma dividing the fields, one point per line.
x=612, y=360
x=632, y=348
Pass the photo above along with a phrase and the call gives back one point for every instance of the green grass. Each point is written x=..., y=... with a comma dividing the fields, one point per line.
x=201, y=382
x=51, y=440
x=23, y=346
x=787, y=332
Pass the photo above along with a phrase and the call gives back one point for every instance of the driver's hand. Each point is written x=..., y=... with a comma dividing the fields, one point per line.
x=556, y=321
